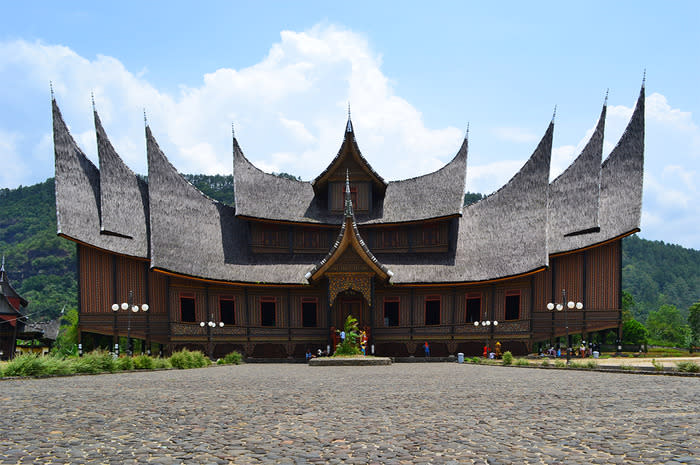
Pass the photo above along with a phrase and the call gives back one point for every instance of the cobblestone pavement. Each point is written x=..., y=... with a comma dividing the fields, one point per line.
x=403, y=413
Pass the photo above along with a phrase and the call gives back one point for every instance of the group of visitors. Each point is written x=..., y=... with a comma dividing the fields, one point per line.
x=583, y=350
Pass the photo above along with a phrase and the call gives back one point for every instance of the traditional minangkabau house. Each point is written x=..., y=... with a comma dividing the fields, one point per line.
x=12, y=318
x=284, y=265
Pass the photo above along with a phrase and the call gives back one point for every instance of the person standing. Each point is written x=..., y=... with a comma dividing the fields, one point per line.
x=426, y=347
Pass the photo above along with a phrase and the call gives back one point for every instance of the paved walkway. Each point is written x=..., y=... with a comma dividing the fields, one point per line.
x=403, y=413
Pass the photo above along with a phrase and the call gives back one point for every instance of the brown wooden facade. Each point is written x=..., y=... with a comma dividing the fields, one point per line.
x=286, y=321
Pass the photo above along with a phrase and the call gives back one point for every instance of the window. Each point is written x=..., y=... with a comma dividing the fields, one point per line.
x=473, y=308
x=391, y=311
x=227, y=310
x=512, y=305
x=187, y=308
x=432, y=310
x=308, y=312
x=268, y=311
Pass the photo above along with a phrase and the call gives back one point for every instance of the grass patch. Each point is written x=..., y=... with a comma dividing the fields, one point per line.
x=545, y=362
x=560, y=363
x=688, y=366
x=658, y=366
x=626, y=367
x=521, y=362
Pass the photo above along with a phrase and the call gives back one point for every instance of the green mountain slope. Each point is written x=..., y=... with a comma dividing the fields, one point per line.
x=42, y=266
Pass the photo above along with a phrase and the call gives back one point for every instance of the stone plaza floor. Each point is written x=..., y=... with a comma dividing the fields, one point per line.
x=399, y=414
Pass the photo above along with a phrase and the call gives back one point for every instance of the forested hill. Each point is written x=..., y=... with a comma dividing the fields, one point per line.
x=42, y=266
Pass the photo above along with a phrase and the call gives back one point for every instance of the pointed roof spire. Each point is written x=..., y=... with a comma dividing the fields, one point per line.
x=51, y=89
x=607, y=91
x=92, y=97
x=466, y=134
x=348, y=197
x=644, y=78
x=554, y=115
x=348, y=128
x=145, y=119
x=233, y=131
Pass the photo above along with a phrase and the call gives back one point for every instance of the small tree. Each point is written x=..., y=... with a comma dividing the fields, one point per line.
x=633, y=332
x=350, y=345
x=67, y=339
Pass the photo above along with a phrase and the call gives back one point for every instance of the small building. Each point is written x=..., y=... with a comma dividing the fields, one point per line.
x=278, y=271
x=12, y=319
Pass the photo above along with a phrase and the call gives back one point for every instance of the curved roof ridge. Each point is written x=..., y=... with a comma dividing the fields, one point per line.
x=434, y=195
x=458, y=155
x=348, y=138
x=150, y=139
x=574, y=195
x=547, y=136
x=123, y=197
x=621, y=186
x=280, y=199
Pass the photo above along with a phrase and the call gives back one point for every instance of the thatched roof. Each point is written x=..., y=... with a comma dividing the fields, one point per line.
x=501, y=235
x=511, y=232
x=266, y=196
x=194, y=235
x=621, y=183
x=574, y=195
x=123, y=198
x=78, y=196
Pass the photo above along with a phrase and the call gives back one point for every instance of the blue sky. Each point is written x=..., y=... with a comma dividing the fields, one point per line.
x=415, y=73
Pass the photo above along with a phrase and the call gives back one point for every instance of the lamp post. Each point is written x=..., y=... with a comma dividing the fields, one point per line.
x=564, y=305
x=131, y=308
x=485, y=324
x=210, y=324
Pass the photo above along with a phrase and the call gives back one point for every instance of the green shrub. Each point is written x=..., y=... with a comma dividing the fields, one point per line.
x=103, y=360
x=592, y=364
x=143, y=362
x=658, y=366
x=507, y=358
x=36, y=365
x=476, y=360
x=521, y=362
x=688, y=366
x=161, y=364
x=234, y=358
x=186, y=359
x=86, y=364
x=560, y=363
x=545, y=362
x=199, y=359
x=626, y=367
x=125, y=363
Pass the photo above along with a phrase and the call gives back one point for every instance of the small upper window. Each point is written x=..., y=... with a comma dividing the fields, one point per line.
x=268, y=311
x=432, y=311
x=512, y=305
